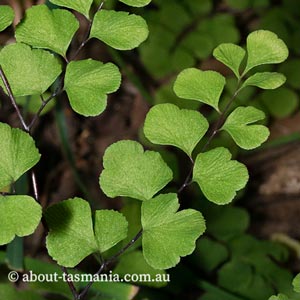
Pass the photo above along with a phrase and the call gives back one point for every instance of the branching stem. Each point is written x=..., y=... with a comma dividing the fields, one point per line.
x=218, y=125
x=87, y=35
x=70, y=284
x=28, y=129
x=82, y=295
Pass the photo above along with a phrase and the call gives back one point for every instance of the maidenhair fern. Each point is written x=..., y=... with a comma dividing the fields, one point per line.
x=41, y=56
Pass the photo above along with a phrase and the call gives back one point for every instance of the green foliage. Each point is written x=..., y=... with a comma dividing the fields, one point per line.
x=7, y=291
x=115, y=29
x=230, y=55
x=259, y=272
x=178, y=43
x=264, y=47
x=265, y=80
x=134, y=263
x=291, y=295
x=136, y=3
x=20, y=215
x=290, y=70
x=225, y=222
x=273, y=101
x=90, y=80
x=166, y=124
x=110, y=228
x=18, y=154
x=296, y=284
x=245, y=134
x=203, y=86
x=238, y=253
x=32, y=103
x=218, y=176
x=279, y=297
x=6, y=16
x=209, y=254
x=132, y=212
x=110, y=290
x=82, y=6
x=131, y=172
x=168, y=234
x=70, y=224
x=29, y=71
x=55, y=31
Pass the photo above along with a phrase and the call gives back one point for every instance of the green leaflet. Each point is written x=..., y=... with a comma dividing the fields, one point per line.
x=131, y=172
x=29, y=71
x=82, y=6
x=230, y=55
x=132, y=212
x=265, y=80
x=217, y=221
x=296, y=288
x=19, y=215
x=110, y=228
x=196, y=44
x=166, y=124
x=247, y=280
x=119, y=30
x=48, y=29
x=87, y=83
x=264, y=47
x=209, y=254
x=134, y=263
x=218, y=176
x=9, y=292
x=290, y=70
x=229, y=270
x=168, y=234
x=6, y=16
x=18, y=154
x=239, y=126
x=279, y=297
x=70, y=224
x=280, y=103
x=296, y=283
x=136, y=3
x=204, y=86
x=166, y=94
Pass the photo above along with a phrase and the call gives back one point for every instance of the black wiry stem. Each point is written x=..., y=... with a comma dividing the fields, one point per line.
x=12, y=99
x=221, y=120
x=107, y=262
x=87, y=36
x=44, y=103
x=214, y=132
x=70, y=284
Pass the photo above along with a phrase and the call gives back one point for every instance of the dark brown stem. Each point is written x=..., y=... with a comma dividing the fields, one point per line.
x=215, y=130
x=70, y=284
x=187, y=181
x=12, y=99
x=43, y=105
x=113, y=258
x=221, y=119
x=82, y=295
x=87, y=36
